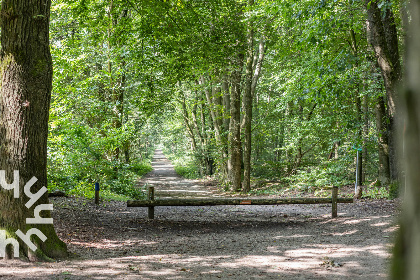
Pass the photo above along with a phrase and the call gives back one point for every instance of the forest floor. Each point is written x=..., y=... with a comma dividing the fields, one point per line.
x=111, y=241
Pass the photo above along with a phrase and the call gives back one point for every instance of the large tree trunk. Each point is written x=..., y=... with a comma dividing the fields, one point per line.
x=383, y=37
x=407, y=248
x=26, y=79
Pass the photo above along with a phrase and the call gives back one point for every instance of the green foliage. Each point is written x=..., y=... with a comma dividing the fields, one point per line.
x=376, y=192
x=188, y=170
x=125, y=187
x=394, y=190
x=140, y=168
x=106, y=87
x=327, y=173
x=184, y=165
x=132, y=75
x=118, y=187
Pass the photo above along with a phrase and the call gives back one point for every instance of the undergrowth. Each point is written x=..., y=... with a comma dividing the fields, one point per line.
x=186, y=170
x=115, y=183
x=184, y=165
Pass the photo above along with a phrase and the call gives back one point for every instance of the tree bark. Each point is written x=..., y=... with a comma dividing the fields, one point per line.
x=225, y=128
x=383, y=37
x=235, y=128
x=359, y=164
x=383, y=151
x=26, y=79
x=247, y=106
x=187, y=121
x=365, y=135
x=213, y=103
x=252, y=74
x=407, y=248
x=121, y=91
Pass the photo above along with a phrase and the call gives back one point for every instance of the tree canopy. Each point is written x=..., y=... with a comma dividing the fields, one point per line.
x=284, y=90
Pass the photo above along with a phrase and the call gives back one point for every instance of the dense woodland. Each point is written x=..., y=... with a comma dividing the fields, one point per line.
x=248, y=92
x=245, y=91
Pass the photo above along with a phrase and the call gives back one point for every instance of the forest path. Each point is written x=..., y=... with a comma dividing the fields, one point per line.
x=111, y=241
x=168, y=184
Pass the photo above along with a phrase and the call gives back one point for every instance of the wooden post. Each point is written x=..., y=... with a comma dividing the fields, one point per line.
x=151, y=196
x=334, y=201
x=96, y=193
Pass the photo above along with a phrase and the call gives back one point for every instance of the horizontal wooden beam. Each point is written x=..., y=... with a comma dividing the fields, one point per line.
x=233, y=201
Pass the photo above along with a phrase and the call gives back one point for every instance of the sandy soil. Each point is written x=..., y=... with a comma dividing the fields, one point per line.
x=111, y=241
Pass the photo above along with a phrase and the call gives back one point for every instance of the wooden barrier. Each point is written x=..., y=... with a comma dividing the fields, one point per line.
x=151, y=202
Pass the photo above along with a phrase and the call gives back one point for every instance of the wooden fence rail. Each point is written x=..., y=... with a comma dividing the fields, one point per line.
x=151, y=202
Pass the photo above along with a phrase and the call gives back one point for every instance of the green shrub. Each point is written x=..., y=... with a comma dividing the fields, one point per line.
x=375, y=192
x=394, y=189
x=118, y=185
x=125, y=186
x=83, y=189
x=328, y=173
x=141, y=168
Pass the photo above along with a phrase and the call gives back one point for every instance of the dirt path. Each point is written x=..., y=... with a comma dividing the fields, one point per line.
x=168, y=183
x=112, y=241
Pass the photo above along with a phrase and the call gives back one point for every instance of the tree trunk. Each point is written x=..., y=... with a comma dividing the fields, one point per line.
x=26, y=78
x=225, y=128
x=213, y=104
x=383, y=152
x=252, y=74
x=383, y=37
x=359, y=164
x=121, y=92
x=247, y=106
x=365, y=136
x=207, y=158
x=235, y=128
x=405, y=265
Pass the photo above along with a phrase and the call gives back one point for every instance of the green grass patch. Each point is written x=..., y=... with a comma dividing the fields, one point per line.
x=184, y=166
x=375, y=192
x=188, y=171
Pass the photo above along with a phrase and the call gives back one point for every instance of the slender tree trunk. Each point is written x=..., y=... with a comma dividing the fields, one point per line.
x=383, y=150
x=359, y=165
x=206, y=136
x=225, y=128
x=247, y=106
x=365, y=135
x=187, y=121
x=405, y=265
x=252, y=74
x=235, y=128
x=197, y=130
x=121, y=91
x=26, y=79
x=213, y=103
x=226, y=105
